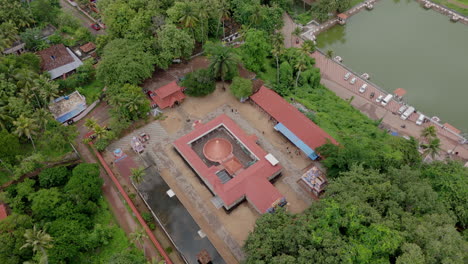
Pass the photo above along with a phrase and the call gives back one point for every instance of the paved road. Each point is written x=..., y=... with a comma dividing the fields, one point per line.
x=85, y=21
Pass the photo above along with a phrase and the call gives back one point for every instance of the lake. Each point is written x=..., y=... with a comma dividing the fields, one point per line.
x=400, y=44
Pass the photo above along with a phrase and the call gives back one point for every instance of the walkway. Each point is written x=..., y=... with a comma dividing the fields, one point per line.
x=84, y=20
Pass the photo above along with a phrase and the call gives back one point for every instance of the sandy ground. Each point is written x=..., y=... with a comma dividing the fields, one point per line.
x=226, y=231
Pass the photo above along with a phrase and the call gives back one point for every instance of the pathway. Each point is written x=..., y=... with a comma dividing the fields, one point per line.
x=84, y=20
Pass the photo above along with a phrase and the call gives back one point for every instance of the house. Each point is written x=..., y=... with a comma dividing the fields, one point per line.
x=65, y=108
x=85, y=51
x=168, y=95
x=59, y=61
x=18, y=47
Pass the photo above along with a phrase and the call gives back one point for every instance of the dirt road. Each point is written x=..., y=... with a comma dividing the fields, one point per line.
x=85, y=21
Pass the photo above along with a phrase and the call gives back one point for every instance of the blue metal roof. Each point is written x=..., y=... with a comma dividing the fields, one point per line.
x=71, y=114
x=296, y=141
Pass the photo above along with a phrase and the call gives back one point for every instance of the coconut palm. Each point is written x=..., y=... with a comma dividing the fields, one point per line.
x=256, y=15
x=138, y=237
x=26, y=127
x=308, y=46
x=100, y=132
x=224, y=14
x=189, y=18
x=202, y=14
x=137, y=175
x=432, y=148
x=8, y=34
x=300, y=66
x=42, y=117
x=278, y=49
x=91, y=123
x=26, y=81
x=429, y=132
x=5, y=117
x=329, y=54
x=39, y=240
x=223, y=61
x=48, y=90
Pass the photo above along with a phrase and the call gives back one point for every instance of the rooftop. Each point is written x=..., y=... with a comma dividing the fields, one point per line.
x=239, y=170
x=283, y=112
x=88, y=47
x=168, y=95
x=67, y=107
x=58, y=60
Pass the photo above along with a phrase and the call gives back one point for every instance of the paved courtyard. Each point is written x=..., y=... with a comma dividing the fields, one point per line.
x=227, y=231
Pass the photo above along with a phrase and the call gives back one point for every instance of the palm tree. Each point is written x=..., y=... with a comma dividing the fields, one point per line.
x=433, y=148
x=26, y=80
x=91, y=123
x=42, y=117
x=429, y=132
x=222, y=61
x=256, y=16
x=308, y=47
x=8, y=34
x=138, y=237
x=189, y=18
x=48, y=90
x=224, y=14
x=99, y=131
x=278, y=49
x=26, y=127
x=329, y=54
x=5, y=117
x=203, y=16
x=300, y=67
x=138, y=175
x=39, y=240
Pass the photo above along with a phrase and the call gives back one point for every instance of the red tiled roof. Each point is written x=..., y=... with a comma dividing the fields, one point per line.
x=289, y=116
x=168, y=95
x=54, y=57
x=251, y=183
x=88, y=47
x=343, y=16
x=3, y=212
x=400, y=92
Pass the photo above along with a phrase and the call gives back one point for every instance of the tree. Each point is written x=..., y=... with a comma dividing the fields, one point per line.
x=199, y=83
x=12, y=230
x=128, y=257
x=44, y=201
x=429, y=132
x=10, y=147
x=255, y=50
x=223, y=61
x=25, y=127
x=432, y=148
x=84, y=184
x=8, y=35
x=172, y=43
x=241, y=88
x=39, y=240
x=125, y=61
x=329, y=54
x=300, y=67
x=307, y=47
x=277, y=51
x=48, y=90
x=15, y=12
x=45, y=11
x=129, y=102
x=224, y=14
x=91, y=123
x=54, y=177
x=138, y=175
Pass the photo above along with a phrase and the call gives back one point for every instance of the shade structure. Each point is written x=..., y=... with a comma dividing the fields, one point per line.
x=217, y=149
x=400, y=92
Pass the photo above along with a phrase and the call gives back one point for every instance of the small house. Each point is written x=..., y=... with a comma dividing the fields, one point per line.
x=67, y=107
x=59, y=61
x=168, y=95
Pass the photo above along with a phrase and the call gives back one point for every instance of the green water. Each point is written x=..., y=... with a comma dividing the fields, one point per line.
x=403, y=45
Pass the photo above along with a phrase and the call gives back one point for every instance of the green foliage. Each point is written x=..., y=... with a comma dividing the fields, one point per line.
x=255, y=50
x=255, y=15
x=32, y=38
x=101, y=144
x=127, y=257
x=10, y=148
x=45, y=11
x=129, y=102
x=125, y=61
x=53, y=177
x=223, y=61
x=85, y=183
x=16, y=12
x=12, y=230
x=199, y=83
x=241, y=88
x=44, y=201
x=366, y=217
x=172, y=43
x=66, y=20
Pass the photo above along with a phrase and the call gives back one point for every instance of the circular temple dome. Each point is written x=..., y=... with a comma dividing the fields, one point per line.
x=217, y=149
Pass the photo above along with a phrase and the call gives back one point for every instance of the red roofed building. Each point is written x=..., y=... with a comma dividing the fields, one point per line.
x=304, y=130
x=3, y=211
x=231, y=164
x=168, y=95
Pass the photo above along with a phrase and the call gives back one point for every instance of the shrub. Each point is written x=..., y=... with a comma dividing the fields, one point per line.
x=199, y=83
x=147, y=217
x=52, y=177
x=101, y=144
x=241, y=88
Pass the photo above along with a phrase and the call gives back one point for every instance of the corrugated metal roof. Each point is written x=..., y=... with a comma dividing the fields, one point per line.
x=59, y=71
x=296, y=141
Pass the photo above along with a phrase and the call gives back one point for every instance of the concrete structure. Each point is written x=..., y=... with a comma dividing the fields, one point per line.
x=59, y=61
x=299, y=129
x=67, y=107
x=168, y=95
x=314, y=181
x=231, y=164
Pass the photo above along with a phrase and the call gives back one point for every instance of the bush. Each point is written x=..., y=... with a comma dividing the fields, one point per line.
x=68, y=21
x=101, y=144
x=52, y=177
x=199, y=83
x=241, y=88
x=147, y=217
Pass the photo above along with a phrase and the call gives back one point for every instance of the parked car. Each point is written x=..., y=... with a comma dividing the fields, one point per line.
x=363, y=88
x=95, y=27
x=347, y=75
x=420, y=119
x=353, y=80
x=402, y=109
x=387, y=99
x=379, y=99
x=407, y=113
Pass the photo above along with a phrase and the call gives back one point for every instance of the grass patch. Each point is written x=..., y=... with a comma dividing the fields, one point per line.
x=454, y=6
x=92, y=91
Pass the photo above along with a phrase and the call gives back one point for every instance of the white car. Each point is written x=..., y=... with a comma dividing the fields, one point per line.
x=353, y=80
x=347, y=75
x=363, y=88
x=379, y=99
x=420, y=119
